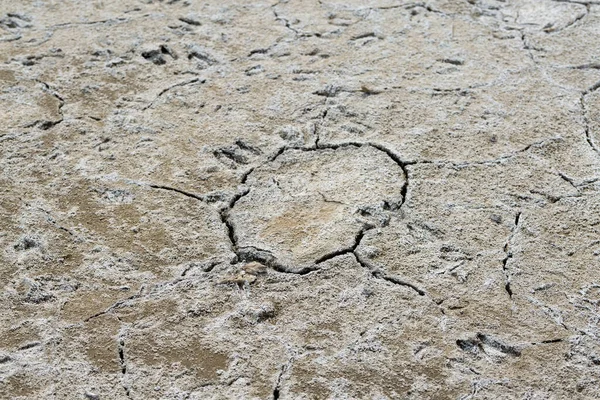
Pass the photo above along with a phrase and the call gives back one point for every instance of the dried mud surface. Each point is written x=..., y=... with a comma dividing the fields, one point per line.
x=304, y=199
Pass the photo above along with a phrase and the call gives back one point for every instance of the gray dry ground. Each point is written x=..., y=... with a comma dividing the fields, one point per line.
x=420, y=179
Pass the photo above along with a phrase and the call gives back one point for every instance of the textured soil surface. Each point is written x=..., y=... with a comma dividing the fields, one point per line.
x=309, y=199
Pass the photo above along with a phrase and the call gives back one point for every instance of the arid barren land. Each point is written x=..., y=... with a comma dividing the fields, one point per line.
x=304, y=199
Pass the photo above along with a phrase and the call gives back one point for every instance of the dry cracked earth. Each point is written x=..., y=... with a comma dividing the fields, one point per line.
x=304, y=199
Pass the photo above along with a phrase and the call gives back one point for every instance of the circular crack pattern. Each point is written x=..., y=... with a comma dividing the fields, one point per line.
x=306, y=205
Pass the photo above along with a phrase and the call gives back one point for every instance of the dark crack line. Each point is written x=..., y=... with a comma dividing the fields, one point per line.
x=528, y=48
x=593, y=88
x=551, y=198
x=284, y=368
x=265, y=257
x=509, y=256
x=326, y=200
x=549, y=341
x=53, y=222
x=104, y=21
x=393, y=156
x=122, y=356
x=208, y=198
x=277, y=388
x=205, y=266
x=569, y=180
x=480, y=341
x=224, y=214
x=409, y=6
x=349, y=250
x=397, y=281
x=554, y=314
x=118, y=304
x=185, y=83
x=123, y=363
x=377, y=273
x=286, y=22
x=251, y=253
x=17, y=36
x=586, y=122
x=62, y=228
x=577, y=185
x=318, y=126
x=245, y=175
x=43, y=124
x=403, y=164
x=262, y=50
x=585, y=66
x=180, y=191
x=577, y=19
x=582, y=2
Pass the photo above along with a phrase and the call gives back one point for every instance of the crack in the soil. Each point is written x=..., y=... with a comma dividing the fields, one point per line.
x=409, y=6
x=393, y=156
x=377, y=273
x=224, y=214
x=568, y=179
x=122, y=356
x=285, y=21
x=54, y=223
x=246, y=253
x=549, y=341
x=206, y=266
x=278, y=384
x=509, y=255
x=115, y=305
x=251, y=253
x=592, y=65
x=265, y=257
x=284, y=368
x=122, y=361
x=104, y=21
x=555, y=314
x=582, y=2
x=397, y=281
x=528, y=48
x=577, y=185
x=206, y=198
x=44, y=124
x=351, y=249
x=180, y=191
x=318, y=126
x=586, y=122
x=480, y=341
x=184, y=83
